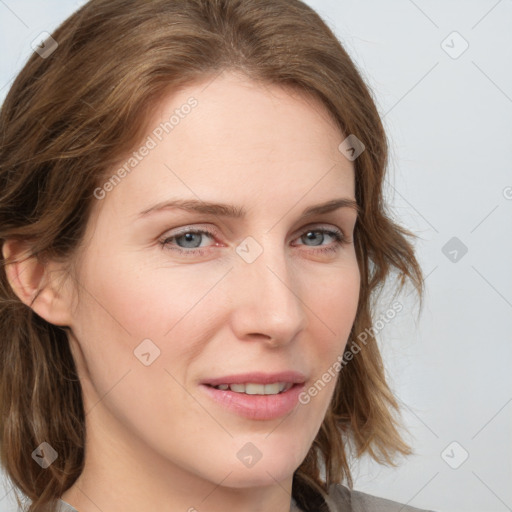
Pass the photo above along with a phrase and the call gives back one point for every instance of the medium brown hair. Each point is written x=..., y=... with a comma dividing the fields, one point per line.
x=70, y=117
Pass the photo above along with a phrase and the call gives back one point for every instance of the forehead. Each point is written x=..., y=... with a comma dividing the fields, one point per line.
x=233, y=140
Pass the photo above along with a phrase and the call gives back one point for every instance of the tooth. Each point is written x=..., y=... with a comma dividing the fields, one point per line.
x=252, y=388
x=272, y=389
x=255, y=389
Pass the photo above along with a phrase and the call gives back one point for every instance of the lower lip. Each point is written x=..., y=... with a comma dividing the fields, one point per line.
x=256, y=407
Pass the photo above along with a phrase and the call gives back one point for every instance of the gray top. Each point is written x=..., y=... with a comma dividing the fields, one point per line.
x=339, y=499
x=342, y=499
x=65, y=507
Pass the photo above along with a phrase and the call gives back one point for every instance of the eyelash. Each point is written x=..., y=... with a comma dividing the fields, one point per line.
x=339, y=241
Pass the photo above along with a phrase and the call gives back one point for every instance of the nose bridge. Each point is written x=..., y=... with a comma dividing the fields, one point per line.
x=268, y=296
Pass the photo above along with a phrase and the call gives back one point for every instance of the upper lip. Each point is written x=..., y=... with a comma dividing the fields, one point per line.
x=257, y=378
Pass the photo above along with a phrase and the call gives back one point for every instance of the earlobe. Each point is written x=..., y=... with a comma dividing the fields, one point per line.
x=35, y=283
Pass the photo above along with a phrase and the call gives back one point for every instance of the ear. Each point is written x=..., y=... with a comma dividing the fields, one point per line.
x=37, y=283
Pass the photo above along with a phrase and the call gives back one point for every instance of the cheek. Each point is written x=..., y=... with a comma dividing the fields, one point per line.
x=333, y=309
x=335, y=303
x=141, y=302
x=130, y=315
x=125, y=320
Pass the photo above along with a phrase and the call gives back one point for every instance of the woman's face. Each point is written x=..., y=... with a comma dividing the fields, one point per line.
x=174, y=300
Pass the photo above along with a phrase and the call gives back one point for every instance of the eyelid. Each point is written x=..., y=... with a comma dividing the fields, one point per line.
x=193, y=227
x=322, y=225
x=215, y=232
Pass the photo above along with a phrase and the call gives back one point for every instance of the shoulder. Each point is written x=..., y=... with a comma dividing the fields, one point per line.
x=343, y=499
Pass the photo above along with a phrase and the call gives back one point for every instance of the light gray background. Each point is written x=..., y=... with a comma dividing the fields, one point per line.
x=449, y=122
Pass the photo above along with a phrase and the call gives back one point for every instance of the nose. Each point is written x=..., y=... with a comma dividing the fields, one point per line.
x=266, y=295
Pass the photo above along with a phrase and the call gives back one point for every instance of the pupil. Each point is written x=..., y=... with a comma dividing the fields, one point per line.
x=189, y=237
x=312, y=235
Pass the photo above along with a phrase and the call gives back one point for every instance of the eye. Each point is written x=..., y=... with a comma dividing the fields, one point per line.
x=318, y=235
x=189, y=241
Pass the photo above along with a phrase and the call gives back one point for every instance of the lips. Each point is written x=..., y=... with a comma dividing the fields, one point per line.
x=249, y=401
x=291, y=377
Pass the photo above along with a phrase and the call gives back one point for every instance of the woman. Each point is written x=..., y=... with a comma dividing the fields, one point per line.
x=192, y=231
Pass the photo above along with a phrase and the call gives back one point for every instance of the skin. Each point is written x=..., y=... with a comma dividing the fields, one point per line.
x=155, y=441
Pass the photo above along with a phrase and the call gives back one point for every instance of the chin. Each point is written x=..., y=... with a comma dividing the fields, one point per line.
x=265, y=475
x=276, y=463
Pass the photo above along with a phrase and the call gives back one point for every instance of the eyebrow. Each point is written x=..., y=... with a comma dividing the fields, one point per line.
x=238, y=212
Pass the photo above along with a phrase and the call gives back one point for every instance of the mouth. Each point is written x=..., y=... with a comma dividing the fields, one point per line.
x=256, y=396
x=252, y=388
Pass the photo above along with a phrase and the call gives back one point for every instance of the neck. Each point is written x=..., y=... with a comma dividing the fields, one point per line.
x=123, y=474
